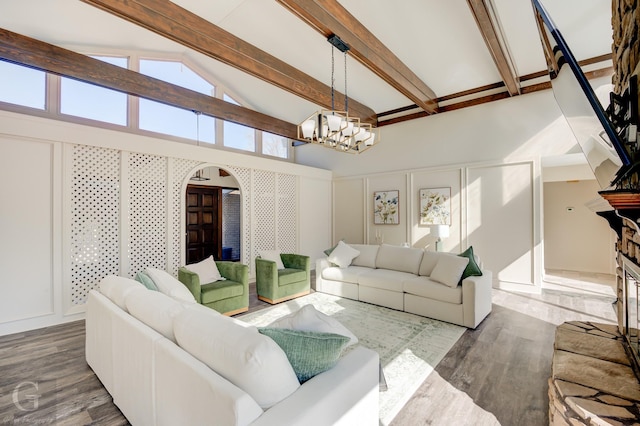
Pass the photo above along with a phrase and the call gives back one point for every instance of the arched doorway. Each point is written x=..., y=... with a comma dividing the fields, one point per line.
x=213, y=216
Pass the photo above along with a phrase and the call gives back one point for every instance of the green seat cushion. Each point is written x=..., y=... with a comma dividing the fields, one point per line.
x=290, y=276
x=220, y=290
x=472, y=269
x=309, y=352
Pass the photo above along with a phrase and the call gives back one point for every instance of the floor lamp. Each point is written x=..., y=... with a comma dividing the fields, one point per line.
x=440, y=232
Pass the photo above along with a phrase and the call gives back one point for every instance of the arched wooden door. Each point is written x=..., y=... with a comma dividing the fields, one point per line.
x=204, y=222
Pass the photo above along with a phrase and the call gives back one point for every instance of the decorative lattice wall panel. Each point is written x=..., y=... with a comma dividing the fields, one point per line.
x=243, y=176
x=147, y=212
x=95, y=218
x=264, y=211
x=180, y=170
x=287, y=213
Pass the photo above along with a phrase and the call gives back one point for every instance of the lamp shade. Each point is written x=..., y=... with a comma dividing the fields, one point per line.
x=307, y=129
x=440, y=231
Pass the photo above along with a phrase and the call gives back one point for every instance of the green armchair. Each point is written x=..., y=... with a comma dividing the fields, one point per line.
x=229, y=297
x=275, y=285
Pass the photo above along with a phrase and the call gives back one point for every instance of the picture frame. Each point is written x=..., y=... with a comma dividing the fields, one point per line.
x=435, y=206
x=386, y=207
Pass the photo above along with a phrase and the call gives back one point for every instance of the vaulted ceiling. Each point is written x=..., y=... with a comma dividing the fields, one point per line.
x=407, y=58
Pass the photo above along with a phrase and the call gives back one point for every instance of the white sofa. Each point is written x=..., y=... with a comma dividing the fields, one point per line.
x=131, y=345
x=401, y=278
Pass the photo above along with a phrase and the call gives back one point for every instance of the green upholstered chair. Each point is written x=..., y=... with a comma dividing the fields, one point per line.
x=275, y=285
x=230, y=296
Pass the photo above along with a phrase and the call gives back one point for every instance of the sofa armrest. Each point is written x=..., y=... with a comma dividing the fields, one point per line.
x=322, y=263
x=296, y=261
x=347, y=394
x=234, y=271
x=476, y=298
x=192, y=281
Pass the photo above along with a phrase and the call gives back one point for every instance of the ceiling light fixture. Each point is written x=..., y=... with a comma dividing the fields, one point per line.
x=336, y=129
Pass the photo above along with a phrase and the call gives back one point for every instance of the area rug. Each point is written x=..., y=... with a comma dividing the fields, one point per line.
x=410, y=346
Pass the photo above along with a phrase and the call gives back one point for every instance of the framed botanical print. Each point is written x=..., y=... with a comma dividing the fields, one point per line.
x=386, y=207
x=435, y=206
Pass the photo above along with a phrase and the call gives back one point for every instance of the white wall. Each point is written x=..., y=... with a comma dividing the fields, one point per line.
x=489, y=155
x=576, y=239
x=82, y=202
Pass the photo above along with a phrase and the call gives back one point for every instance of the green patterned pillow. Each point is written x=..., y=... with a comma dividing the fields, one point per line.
x=309, y=352
x=146, y=280
x=472, y=269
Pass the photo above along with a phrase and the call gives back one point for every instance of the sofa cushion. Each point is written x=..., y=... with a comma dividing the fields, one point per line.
x=347, y=275
x=309, y=352
x=397, y=258
x=146, y=280
x=472, y=269
x=116, y=289
x=425, y=287
x=342, y=255
x=449, y=270
x=308, y=318
x=273, y=256
x=291, y=276
x=249, y=360
x=155, y=309
x=170, y=285
x=367, y=256
x=430, y=260
x=220, y=290
x=384, y=278
x=207, y=270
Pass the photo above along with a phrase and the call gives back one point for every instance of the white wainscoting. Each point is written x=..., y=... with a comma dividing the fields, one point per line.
x=30, y=172
x=73, y=212
x=494, y=208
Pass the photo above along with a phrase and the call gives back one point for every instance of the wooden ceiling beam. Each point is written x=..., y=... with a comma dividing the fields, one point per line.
x=175, y=23
x=36, y=54
x=329, y=17
x=486, y=19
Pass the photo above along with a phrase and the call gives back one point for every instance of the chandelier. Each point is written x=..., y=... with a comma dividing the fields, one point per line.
x=336, y=129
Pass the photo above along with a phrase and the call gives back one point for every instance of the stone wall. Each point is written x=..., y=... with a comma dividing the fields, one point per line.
x=625, y=19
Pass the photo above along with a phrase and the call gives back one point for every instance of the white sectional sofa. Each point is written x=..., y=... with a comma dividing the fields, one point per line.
x=155, y=355
x=409, y=279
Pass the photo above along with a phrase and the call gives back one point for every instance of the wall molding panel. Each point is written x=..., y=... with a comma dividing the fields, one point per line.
x=494, y=208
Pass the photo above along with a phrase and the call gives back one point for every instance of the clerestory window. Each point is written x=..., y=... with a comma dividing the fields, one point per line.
x=27, y=87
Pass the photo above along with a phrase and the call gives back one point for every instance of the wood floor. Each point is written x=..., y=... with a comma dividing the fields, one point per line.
x=496, y=374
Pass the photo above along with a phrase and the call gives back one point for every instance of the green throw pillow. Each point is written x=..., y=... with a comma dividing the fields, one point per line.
x=309, y=352
x=330, y=250
x=472, y=269
x=146, y=280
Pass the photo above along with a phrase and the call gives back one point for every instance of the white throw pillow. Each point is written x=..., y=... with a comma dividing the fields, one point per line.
x=169, y=285
x=155, y=309
x=251, y=361
x=207, y=270
x=274, y=256
x=117, y=288
x=343, y=254
x=308, y=318
x=449, y=269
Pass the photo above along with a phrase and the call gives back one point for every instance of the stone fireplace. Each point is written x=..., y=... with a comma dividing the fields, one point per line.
x=595, y=367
